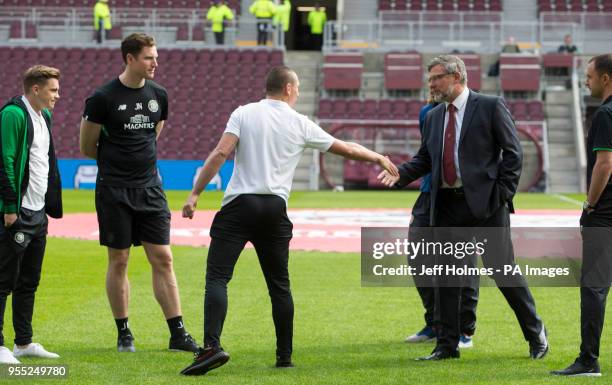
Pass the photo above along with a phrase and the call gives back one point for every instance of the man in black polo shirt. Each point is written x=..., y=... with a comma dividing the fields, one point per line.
x=596, y=222
x=120, y=126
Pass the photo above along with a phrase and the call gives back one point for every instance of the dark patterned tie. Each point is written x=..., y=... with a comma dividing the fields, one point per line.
x=448, y=158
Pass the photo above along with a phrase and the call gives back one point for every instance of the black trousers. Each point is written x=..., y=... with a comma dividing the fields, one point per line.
x=317, y=41
x=101, y=34
x=596, y=278
x=425, y=285
x=452, y=211
x=261, y=220
x=263, y=26
x=220, y=38
x=22, y=247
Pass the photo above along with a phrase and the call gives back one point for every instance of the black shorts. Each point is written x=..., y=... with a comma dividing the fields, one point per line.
x=129, y=216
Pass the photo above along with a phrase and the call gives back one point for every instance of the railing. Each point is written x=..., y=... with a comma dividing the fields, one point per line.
x=578, y=104
x=451, y=16
x=440, y=36
x=77, y=24
x=594, y=25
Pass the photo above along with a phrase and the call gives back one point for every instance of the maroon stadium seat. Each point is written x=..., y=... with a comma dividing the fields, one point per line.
x=474, y=73
x=403, y=71
x=343, y=71
x=519, y=72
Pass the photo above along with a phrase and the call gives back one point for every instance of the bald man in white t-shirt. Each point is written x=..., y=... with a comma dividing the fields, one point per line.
x=269, y=138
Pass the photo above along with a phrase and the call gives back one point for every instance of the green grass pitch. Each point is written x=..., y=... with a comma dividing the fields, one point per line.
x=344, y=334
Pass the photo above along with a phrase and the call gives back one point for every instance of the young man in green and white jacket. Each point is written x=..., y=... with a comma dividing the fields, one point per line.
x=30, y=189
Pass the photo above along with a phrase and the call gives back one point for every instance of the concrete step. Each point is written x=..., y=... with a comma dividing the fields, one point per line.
x=564, y=163
x=561, y=150
x=559, y=124
x=559, y=97
x=564, y=188
x=557, y=111
x=563, y=176
x=560, y=136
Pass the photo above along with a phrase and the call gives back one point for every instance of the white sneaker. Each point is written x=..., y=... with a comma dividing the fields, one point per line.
x=465, y=341
x=7, y=357
x=33, y=350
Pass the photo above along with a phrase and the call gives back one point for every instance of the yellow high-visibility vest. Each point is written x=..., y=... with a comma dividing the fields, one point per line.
x=217, y=14
x=283, y=15
x=263, y=9
x=316, y=21
x=101, y=11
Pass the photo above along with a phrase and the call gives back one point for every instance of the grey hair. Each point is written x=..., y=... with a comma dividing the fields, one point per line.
x=452, y=64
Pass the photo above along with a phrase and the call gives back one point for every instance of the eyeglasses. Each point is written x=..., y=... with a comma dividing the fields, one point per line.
x=434, y=78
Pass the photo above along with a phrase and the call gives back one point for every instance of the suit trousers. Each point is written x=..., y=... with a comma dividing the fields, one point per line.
x=425, y=285
x=22, y=247
x=452, y=211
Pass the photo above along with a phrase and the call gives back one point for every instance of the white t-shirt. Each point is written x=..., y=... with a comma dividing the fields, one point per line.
x=271, y=139
x=34, y=198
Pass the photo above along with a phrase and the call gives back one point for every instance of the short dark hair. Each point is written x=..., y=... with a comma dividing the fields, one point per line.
x=39, y=75
x=134, y=43
x=278, y=78
x=603, y=64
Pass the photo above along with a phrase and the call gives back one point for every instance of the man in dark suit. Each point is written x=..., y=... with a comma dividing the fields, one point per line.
x=472, y=150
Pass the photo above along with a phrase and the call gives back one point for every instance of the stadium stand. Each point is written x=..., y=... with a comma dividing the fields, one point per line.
x=563, y=6
x=342, y=71
x=204, y=87
x=403, y=71
x=440, y=5
x=519, y=72
x=143, y=4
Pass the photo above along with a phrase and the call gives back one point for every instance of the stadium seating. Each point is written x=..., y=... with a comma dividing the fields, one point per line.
x=519, y=72
x=369, y=109
x=403, y=71
x=441, y=5
x=473, y=69
x=574, y=6
x=204, y=87
x=343, y=71
x=184, y=4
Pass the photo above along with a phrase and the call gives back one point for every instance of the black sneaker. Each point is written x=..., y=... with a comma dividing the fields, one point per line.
x=284, y=364
x=579, y=369
x=205, y=360
x=184, y=343
x=539, y=348
x=125, y=343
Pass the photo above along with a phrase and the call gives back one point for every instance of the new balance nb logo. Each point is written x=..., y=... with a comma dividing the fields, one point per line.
x=122, y=107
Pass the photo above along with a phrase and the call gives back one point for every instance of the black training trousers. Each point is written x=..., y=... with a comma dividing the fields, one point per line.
x=261, y=220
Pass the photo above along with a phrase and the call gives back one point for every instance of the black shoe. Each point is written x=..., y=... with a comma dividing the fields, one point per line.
x=539, y=348
x=125, y=343
x=205, y=360
x=282, y=363
x=579, y=369
x=184, y=343
x=438, y=355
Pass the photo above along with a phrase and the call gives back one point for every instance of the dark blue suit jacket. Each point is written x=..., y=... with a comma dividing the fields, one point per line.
x=490, y=155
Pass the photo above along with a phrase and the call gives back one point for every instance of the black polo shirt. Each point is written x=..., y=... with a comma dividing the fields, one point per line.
x=599, y=138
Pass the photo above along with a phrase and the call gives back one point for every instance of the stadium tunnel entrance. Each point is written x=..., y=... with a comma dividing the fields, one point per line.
x=298, y=37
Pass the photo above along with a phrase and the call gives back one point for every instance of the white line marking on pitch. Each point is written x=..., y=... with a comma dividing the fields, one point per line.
x=567, y=199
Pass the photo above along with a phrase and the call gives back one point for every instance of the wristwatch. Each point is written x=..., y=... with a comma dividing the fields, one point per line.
x=587, y=206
